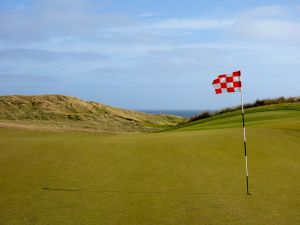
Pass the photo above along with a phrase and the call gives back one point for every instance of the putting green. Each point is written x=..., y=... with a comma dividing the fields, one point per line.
x=192, y=177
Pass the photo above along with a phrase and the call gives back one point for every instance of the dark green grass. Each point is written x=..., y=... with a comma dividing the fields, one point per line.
x=273, y=119
x=193, y=177
x=279, y=114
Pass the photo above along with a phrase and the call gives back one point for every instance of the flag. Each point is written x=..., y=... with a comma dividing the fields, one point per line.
x=232, y=83
x=228, y=83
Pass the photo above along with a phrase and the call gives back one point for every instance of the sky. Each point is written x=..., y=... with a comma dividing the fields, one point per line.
x=141, y=54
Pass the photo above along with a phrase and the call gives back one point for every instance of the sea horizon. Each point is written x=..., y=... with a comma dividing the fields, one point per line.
x=183, y=113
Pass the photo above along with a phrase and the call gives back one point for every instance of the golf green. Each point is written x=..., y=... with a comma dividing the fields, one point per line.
x=192, y=177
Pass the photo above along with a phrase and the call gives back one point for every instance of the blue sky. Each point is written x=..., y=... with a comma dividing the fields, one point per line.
x=156, y=54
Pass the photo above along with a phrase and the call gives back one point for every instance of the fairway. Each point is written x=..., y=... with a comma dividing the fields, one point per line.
x=191, y=176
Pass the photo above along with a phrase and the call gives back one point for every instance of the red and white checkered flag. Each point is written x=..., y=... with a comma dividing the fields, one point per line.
x=228, y=83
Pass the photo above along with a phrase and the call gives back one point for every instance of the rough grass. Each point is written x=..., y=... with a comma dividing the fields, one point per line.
x=59, y=112
x=193, y=177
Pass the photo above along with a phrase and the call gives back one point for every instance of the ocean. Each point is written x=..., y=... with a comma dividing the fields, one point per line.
x=183, y=113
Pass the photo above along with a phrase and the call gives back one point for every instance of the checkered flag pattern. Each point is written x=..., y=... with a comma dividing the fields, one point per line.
x=228, y=83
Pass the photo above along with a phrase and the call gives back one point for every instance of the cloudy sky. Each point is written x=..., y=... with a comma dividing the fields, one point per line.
x=142, y=54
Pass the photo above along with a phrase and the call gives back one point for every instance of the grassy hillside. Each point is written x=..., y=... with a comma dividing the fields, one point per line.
x=195, y=176
x=284, y=115
x=58, y=112
x=274, y=102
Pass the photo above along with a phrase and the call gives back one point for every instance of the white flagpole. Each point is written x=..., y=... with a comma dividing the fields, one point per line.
x=245, y=146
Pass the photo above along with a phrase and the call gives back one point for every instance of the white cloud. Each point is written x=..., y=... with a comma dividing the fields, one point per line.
x=147, y=14
x=272, y=11
x=50, y=19
x=190, y=24
x=57, y=18
x=165, y=26
x=269, y=23
x=274, y=23
x=269, y=29
x=36, y=55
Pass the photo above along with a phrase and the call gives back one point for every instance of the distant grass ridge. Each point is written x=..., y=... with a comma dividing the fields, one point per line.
x=253, y=116
x=257, y=103
x=70, y=113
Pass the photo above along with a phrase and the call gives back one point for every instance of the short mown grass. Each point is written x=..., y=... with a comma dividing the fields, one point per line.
x=192, y=177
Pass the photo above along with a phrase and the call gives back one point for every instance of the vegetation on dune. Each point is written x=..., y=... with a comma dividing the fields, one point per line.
x=64, y=112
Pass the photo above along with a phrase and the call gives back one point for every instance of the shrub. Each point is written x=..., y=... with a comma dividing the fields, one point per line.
x=74, y=117
x=203, y=115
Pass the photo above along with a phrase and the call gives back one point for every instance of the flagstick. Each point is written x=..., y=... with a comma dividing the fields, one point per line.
x=245, y=146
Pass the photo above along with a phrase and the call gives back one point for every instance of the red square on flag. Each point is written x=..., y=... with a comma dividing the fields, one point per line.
x=228, y=83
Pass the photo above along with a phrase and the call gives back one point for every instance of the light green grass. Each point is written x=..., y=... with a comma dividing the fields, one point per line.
x=192, y=177
x=272, y=119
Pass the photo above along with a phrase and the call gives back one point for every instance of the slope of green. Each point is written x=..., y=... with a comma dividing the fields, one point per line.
x=58, y=112
x=193, y=177
x=285, y=115
x=267, y=104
